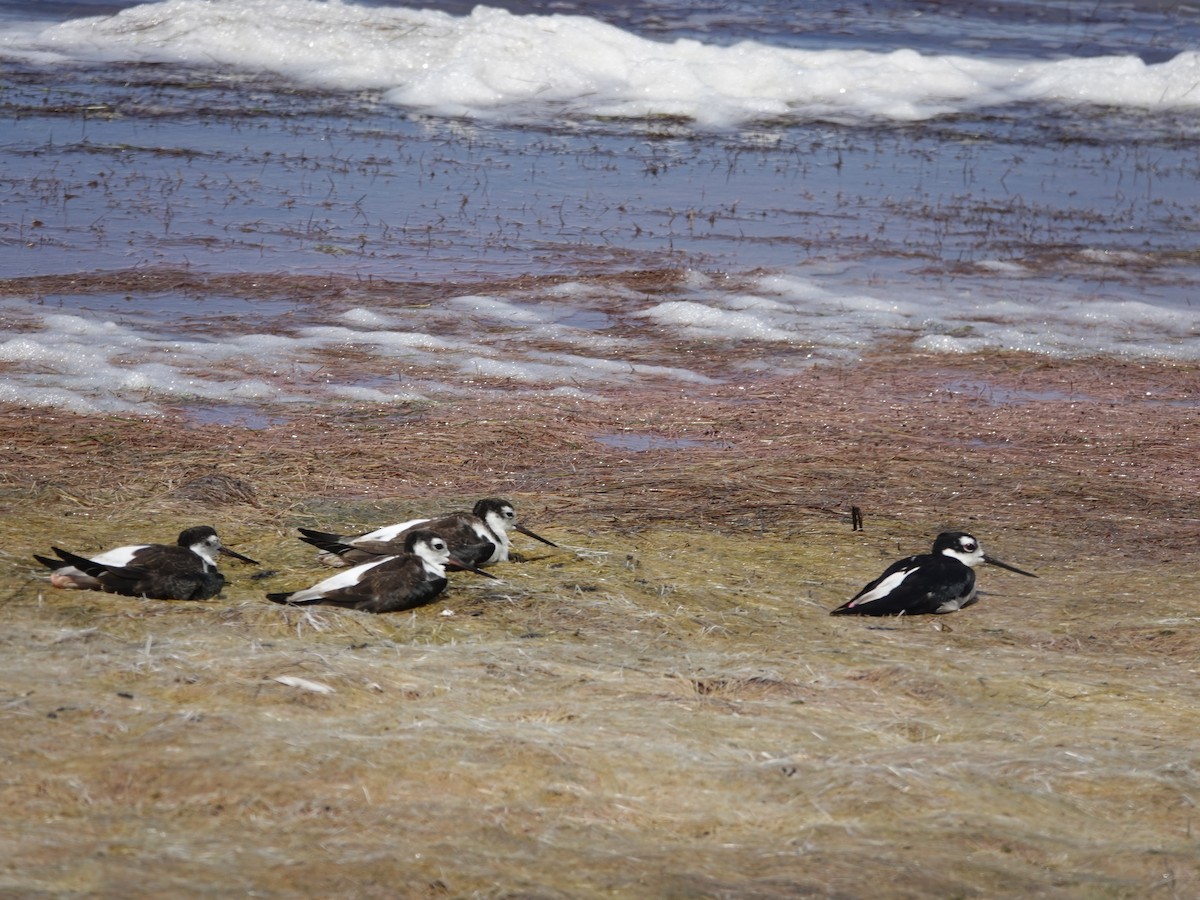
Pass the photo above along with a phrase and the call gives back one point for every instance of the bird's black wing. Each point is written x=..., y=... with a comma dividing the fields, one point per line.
x=95, y=569
x=396, y=597
x=915, y=585
x=51, y=564
x=864, y=603
x=393, y=586
x=323, y=540
x=472, y=554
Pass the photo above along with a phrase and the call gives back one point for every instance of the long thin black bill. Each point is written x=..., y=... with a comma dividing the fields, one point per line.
x=995, y=562
x=236, y=555
x=536, y=537
x=477, y=571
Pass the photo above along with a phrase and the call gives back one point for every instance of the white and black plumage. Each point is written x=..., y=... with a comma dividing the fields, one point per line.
x=387, y=583
x=185, y=570
x=941, y=581
x=478, y=538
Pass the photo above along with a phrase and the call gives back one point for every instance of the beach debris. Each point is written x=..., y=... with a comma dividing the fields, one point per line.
x=217, y=488
x=304, y=684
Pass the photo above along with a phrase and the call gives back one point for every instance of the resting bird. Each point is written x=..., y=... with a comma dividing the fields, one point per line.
x=477, y=538
x=941, y=581
x=186, y=570
x=388, y=583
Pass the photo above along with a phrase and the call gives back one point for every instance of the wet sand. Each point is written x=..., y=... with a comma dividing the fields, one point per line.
x=1011, y=439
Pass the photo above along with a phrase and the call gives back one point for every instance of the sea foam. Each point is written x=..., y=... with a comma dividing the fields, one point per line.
x=496, y=65
x=89, y=363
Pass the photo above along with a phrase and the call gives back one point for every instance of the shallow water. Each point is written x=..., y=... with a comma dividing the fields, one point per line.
x=1008, y=220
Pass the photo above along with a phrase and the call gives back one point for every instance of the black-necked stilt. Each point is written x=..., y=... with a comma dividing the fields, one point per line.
x=186, y=570
x=938, y=582
x=388, y=583
x=478, y=538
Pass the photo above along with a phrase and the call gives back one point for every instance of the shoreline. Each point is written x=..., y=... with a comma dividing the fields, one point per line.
x=258, y=349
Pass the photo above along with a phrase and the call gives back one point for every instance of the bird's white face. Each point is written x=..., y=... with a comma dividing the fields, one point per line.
x=208, y=548
x=966, y=550
x=502, y=519
x=434, y=551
